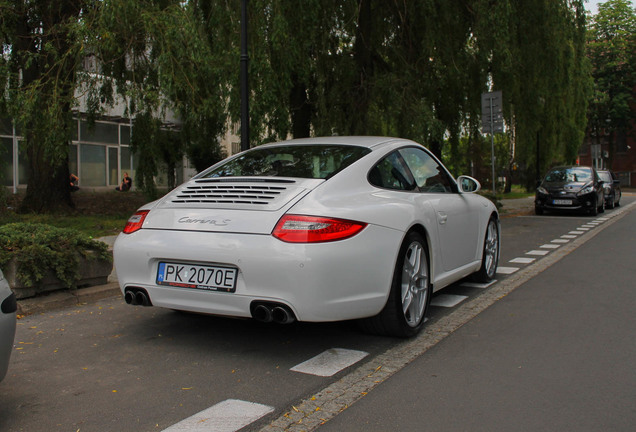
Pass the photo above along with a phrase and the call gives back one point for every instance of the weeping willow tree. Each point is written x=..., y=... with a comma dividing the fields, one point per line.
x=317, y=67
x=41, y=57
x=537, y=52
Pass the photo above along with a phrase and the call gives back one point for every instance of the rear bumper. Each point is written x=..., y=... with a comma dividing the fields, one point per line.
x=319, y=282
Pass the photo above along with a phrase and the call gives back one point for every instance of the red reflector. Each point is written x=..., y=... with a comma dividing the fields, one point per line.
x=135, y=222
x=312, y=229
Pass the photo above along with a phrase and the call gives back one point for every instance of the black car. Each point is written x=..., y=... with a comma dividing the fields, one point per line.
x=570, y=188
x=612, y=186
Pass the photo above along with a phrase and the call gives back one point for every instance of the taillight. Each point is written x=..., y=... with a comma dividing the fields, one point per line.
x=312, y=229
x=135, y=222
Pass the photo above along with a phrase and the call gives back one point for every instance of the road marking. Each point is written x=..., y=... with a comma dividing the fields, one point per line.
x=522, y=260
x=506, y=270
x=568, y=236
x=537, y=252
x=330, y=362
x=577, y=232
x=447, y=300
x=550, y=246
x=478, y=285
x=227, y=416
x=583, y=229
x=589, y=225
x=560, y=241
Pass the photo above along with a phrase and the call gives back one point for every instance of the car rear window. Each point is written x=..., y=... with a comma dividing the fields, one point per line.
x=300, y=161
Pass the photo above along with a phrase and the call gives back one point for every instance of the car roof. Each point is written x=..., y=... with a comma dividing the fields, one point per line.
x=362, y=141
x=570, y=167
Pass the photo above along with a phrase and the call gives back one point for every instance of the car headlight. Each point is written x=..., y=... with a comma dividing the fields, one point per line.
x=542, y=190
x=586, y=190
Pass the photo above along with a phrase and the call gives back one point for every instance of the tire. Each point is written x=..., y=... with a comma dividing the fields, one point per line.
x=602, y=207
x=594, y=209
x=490, y=254
x=538, y=210
x=612, y=204
x=404, y=313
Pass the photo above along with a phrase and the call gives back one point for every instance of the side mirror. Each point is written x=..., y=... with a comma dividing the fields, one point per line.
x=468, y=184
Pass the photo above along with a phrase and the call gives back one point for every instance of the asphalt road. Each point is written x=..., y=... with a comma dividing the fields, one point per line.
x=556, y=354
x=112, y=367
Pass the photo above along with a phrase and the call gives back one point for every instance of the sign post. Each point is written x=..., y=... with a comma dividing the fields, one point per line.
x=492, y=122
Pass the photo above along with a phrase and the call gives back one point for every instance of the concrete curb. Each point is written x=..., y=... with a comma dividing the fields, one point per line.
x=67, y=298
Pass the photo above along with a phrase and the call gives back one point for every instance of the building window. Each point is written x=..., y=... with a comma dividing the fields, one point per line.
x=99, y=132
x=92, y=165
x=621, y=142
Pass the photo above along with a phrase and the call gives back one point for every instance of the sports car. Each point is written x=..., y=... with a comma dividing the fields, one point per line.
x=316, y=229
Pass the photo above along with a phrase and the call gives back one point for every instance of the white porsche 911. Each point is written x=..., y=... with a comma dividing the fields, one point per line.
x=317, y=229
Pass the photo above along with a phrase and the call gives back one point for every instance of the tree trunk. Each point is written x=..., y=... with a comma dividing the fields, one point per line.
x=300, y=109
x=48, y=188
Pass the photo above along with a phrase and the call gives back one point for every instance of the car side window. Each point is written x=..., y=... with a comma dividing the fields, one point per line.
x=429, y=175
x=390, y=173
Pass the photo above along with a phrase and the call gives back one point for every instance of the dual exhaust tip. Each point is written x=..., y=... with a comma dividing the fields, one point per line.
x=264, y=312
x=137, y=297
x=272, y=312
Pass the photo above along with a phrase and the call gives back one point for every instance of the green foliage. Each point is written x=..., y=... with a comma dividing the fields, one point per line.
x=612, y=51
x=39, y=248
x=414, y=69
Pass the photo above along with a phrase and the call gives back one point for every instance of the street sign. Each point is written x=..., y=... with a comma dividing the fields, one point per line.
x=492, y=120
x=491, y=123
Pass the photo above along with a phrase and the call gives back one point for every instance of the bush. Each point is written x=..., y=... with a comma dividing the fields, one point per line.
x=39, y=248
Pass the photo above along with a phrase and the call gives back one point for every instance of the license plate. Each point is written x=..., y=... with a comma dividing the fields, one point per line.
x=212, y=278
x=562, y=202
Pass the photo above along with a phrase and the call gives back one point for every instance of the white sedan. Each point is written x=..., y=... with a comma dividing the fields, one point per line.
x=317, y=229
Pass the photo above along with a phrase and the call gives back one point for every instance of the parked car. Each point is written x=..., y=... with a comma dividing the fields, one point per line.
x=570, y=188
x=612, y=186
x=8, y=308
x=320, y=229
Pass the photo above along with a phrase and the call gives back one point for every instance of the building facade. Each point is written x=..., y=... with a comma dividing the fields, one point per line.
x=595, y=151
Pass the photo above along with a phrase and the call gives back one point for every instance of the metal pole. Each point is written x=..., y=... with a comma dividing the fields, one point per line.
x=492, y=148
x=245, y=110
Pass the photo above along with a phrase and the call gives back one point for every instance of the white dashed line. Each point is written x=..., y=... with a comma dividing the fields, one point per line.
x=447, y=300
x=478, y=285
x=568, y=236
x=330, y=362
x=560, y=241
x=227, y=416
x=506, y=270
x=522, y=260
x=550, y=246
x=576, y=232
x=537, y=252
